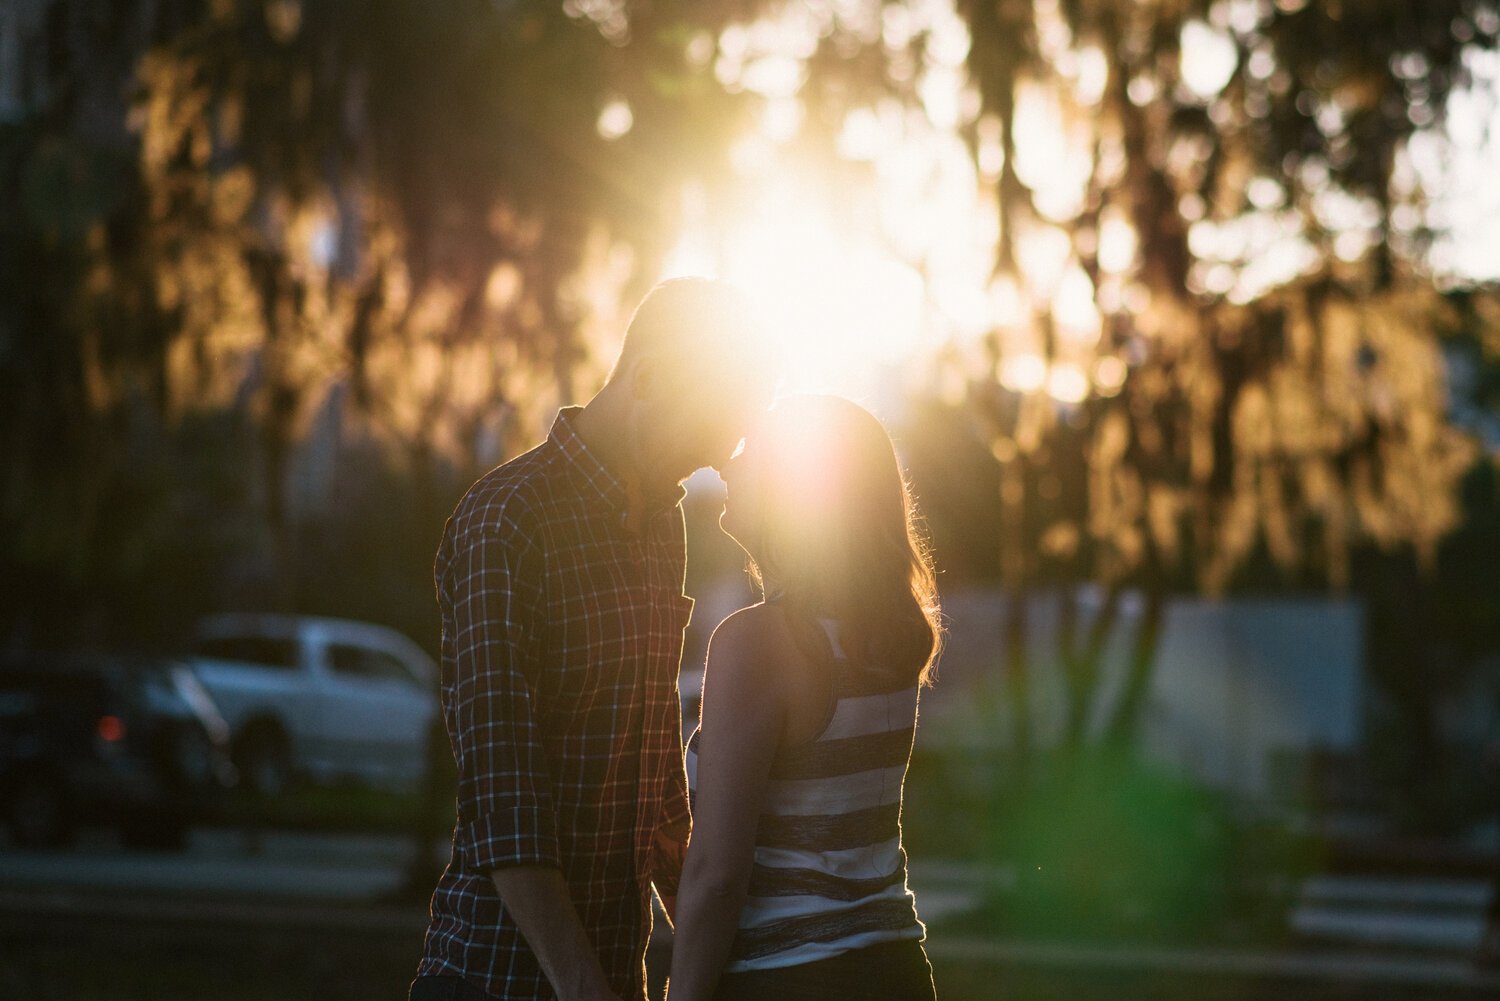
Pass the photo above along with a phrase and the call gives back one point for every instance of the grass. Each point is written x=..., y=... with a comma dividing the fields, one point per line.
x=1107, y=849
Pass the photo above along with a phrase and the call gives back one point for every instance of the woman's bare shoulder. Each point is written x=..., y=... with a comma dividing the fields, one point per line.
x=755, y=639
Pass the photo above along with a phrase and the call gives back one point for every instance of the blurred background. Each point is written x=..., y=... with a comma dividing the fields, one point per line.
x=1185, y=316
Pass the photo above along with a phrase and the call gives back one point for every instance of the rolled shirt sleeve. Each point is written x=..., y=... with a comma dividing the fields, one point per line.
x=494, y=597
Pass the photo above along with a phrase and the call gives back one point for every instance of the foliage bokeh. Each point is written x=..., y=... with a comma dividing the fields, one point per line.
x=280, y=278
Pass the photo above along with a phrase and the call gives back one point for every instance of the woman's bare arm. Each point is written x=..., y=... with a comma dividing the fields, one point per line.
x=743, y=717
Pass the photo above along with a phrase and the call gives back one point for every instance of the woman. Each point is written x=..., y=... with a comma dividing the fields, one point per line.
x=795, y=880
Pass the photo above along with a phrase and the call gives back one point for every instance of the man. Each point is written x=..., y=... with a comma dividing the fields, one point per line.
x=559, y=579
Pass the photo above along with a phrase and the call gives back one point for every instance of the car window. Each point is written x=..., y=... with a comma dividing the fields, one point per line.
x=264, y=650
x=365, y=662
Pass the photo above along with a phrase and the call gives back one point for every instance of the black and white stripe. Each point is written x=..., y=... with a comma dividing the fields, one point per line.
x=829, y=873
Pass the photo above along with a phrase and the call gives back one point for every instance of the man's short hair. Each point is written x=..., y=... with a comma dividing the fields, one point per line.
x=700, y=329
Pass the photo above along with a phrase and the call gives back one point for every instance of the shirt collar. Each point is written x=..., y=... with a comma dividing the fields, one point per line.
x=598, y=477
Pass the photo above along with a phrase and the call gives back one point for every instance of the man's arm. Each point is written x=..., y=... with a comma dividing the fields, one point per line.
x=669, y=844
x=504, y=784
x=539, y=901
x=674, y=823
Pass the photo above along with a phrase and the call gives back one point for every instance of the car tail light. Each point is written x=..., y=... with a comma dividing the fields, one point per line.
x=111, y=729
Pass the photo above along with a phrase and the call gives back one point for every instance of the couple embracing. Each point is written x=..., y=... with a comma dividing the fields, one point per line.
x=559, y=579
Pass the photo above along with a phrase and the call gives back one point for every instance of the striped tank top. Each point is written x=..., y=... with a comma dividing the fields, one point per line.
x=829, y=874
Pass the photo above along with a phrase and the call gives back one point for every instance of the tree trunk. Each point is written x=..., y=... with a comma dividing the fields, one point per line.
x=1124, y=726
x=1083, y=664
x=1068, y=653
x=1017, y=676
x=284, y=564
x=1015, y=572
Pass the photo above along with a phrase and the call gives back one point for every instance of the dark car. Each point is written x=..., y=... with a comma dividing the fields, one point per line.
x=136, y=743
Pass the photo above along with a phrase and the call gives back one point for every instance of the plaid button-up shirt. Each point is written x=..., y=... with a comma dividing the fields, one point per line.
x=562, y=635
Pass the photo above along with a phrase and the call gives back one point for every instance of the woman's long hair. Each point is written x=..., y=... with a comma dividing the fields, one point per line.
x=839, y=534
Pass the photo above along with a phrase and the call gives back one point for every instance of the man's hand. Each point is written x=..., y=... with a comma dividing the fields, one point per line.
x=668, y=849
x=539, y=900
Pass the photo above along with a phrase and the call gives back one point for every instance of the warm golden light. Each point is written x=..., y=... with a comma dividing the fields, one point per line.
x=1068, y=383
x=1109, y=375
x=1073, y=308
x=1208, y=58
x=615, y=120
x=1023, y=373
x=876, y=280
x=1053, y=156
x=858, y=283
x=837, y=304
x=1117, y=241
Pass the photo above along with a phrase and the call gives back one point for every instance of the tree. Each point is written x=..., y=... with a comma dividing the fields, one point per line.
x=419, y=222
x=425, y=218
x=1260, y=371
x=1210, y=286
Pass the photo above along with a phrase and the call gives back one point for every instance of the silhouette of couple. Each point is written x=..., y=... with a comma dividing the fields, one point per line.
x=559, y=580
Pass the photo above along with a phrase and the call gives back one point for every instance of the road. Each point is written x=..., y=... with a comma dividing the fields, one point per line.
x=319, y=915
x=328, y=868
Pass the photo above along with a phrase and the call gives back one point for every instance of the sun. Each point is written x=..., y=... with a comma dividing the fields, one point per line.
x=846, y=312
x=839, y=308
x=868, y=270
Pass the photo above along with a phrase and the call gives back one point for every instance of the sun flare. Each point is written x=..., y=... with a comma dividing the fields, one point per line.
x=862, y=285
x=839, y=306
